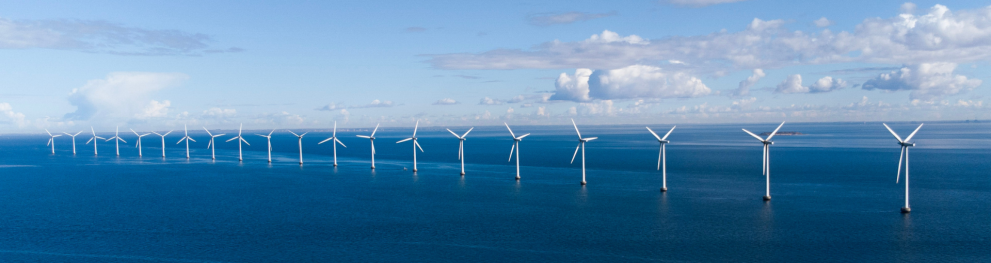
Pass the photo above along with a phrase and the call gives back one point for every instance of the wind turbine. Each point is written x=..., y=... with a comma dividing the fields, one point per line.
x=300, y=136
x=336, y=141
x=662, y=158
x=212, y=146
x=905, y=144
x=73, y=141
x=415, y=144
x=766, y=163
x=51, y=141
x=461, y=148
x=269, y=137
x=138, y=144
x=94, y=140
x=239, y=141
x=516, y=148
x=117, y=140
x=163, y=141
x=372, y=138
x=187, y=139
x=581, y=144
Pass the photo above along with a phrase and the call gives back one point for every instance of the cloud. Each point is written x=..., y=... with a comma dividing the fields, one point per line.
x=827, y=84
x=637, y=81
x=793, y=84
x=489, y=101
x=102, y=37
x=517, y=99
x=744, y=88
x=445, y=101
x=154, y=109
x=927, y=81
x=822, y=22
x=9, y=116
x=700, y=3
x=937, y=36
x=564, y=18
x=122, y=96
x=218, y=113
x=373, y=104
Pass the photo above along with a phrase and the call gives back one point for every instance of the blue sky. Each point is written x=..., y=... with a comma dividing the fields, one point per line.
x=69, y=66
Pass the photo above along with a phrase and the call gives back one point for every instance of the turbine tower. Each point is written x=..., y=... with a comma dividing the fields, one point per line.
x=212, y=146
x=300, y=136
x=117, y=140
x=516, y=148
x=239, y=141
x=662, y=158
x=415, y=144
x=766, y=163
x=51, y=140
x=372, y=138
x=905, y=144
x=94, y=140
x=336, y=141
x=138, y=144
x=73, y=140
x=163, y=141
x=187, y=139
x=269, y=137
x=461, y=148
x=581, y=144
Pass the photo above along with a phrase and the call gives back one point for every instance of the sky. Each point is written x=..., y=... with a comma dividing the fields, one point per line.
x=270, y=65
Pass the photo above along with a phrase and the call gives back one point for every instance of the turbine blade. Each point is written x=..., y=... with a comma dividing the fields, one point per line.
x=77, y=134
x=270, y=133
x=900, y=158
x=49, y=134
x=363, y=136
x=101, y=137
x=208, y=133
x=775, y=131
x=69, y=134
x=893, y=132
x=576, y=130
x=191, y=139
x=180, y=140
x=245, y=141
x=56, y=136
x=655, y=134
x=511, y=149
x=49, y=141
x=415, y=127
x=121, y=139
x=304, y=134
x=466, y=133
x=418, y=145
x=321, y=142
x=167, y=133
x=293, y=133
x=576, y=153
x=208, y=145
x=755, y=135
x=669, y=133
x=232, y=138
x=909, y=138
x=455, y=134
x=522, y=136
x=339, y=141
x=218, y=135
x=510, y=130
x=335, y=130
x=156, y=133
x=403, y=140
x=590, y=139
x=375, y=130
x=90, y=139
x=135, y=133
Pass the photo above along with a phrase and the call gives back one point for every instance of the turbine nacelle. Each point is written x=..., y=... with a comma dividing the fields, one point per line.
x=907, y=144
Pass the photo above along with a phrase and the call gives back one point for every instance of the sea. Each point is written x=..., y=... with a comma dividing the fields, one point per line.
x=834, y=197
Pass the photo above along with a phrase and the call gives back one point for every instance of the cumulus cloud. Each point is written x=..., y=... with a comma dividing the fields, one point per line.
x=564, y=18
x=927, y=81
x=937, y=36
x=516, y=99
x=822, y=22
x=637, y=81
x=122, y=96
x=827, y=84
x=744, y=88
x=701, y=3
x=9, y=116
x=446, y=101
x=793, y=84
x=218, y=113
x=489, y=101
x=102, y=37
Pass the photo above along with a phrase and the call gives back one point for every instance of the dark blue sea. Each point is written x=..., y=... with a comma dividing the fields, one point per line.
x=834, y=197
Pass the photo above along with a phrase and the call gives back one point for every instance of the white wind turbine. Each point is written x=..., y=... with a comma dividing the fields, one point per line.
x=269, y=138
x=51, y=140
x=239, y=141
x=187, y=139
x=300, y=136
x=766, y=163
x=163, y=141
x=415, y=144
x=581, y=144
x=516, y=148
x=461, y=148
x=138, y=144
x=117, y=140
x=372, y=138
x=662, y=159
x=336, y=141
x=94, y=140
x=905, y=144
x=212, y=146
x=73, y=140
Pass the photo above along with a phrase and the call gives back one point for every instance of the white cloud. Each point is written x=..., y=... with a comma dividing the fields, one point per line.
x=744, y=88
x=154, y=109
x=373, y=104
x=927, y=81
x=101, y=37
x=516, y=99
x=445, y=101
x=218, y=113
x=542, y=111
x=608, y=37
x=822, y=22
x=637, y=81
x=9, y=116
x=793, y=84
x=489, y=101
x=827, y=84
x=701, y=3
x=121, y=96
x=564, y=18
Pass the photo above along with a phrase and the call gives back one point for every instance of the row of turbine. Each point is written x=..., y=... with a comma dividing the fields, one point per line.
x=515, y=149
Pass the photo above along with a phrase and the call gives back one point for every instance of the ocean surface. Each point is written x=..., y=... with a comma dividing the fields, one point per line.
x=834, y=197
